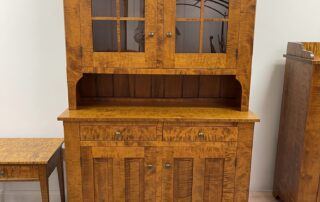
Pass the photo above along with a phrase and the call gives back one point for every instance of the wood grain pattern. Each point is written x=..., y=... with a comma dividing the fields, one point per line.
x=158, y=125
x=27, y=150
x=201, y=134
x=32, y=159
x=121, y=132
x=158, y=113
x=298, y=132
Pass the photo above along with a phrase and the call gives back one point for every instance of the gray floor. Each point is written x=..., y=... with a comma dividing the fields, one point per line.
x=261, y=197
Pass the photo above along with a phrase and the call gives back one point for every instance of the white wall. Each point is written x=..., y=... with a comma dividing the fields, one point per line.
x=33, y=88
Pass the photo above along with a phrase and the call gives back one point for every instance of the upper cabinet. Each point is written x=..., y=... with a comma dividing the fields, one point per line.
x=159, y=33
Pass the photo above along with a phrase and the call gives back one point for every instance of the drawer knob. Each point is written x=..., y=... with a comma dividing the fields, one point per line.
x=150, y=166
x=151, y=34
x=167, y=165
x=201, y=135
x=1, y=173
x=117, y=135
x=169, y=34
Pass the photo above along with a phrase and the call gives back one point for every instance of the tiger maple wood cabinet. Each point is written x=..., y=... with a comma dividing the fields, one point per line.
x=298, y=166
x=158, y=100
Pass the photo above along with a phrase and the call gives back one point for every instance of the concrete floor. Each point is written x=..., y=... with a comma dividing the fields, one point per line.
x=261, y=197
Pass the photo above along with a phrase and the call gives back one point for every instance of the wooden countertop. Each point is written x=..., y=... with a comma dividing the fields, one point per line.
x=28, y=150
x=158, y=114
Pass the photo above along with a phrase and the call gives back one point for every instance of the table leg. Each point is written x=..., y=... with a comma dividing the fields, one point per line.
x=44, y=185
x=61, y=178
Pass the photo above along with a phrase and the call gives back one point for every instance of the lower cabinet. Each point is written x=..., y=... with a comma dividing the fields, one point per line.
x=159, y=171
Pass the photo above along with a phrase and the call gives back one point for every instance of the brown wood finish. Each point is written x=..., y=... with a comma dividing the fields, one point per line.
x=297, y=166
x=158, y=125
x=32, y=159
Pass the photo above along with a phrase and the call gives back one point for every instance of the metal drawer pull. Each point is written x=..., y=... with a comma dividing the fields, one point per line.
x=169, y=34
x=117, y=135
x=151, y=34
x=1, y=173
x=150, y=166
x=167, y=165
x=201, y=135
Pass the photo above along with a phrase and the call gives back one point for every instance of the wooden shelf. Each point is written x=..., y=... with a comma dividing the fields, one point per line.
x=158, y=113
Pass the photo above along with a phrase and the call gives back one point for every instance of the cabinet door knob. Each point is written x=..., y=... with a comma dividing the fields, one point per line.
x=1, y=173
x=167, y=165
x=201, y=135
x=151, y=34
x=169, y=34
x=149, y=166
x=117, y=135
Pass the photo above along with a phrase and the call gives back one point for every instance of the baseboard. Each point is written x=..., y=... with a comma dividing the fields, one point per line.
x=27, y=196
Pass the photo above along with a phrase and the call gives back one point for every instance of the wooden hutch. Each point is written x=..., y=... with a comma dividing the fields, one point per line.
x=158, y=100
x=297, y=172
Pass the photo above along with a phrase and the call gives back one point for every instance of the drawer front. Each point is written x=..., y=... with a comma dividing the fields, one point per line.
x=19, y=172
x=198, y=134
x=120, y=132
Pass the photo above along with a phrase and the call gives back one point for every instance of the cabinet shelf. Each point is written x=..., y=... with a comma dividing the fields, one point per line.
x=122, y=113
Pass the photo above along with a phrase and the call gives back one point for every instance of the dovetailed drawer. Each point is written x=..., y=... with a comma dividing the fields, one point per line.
x=125, y=132
x=197, y=134
x=18, y=172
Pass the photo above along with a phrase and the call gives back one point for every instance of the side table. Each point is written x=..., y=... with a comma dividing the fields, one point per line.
x=32, y=159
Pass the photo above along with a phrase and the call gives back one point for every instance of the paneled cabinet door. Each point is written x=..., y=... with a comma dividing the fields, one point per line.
x=118, y=33
x=201, y=33
x=118, y=174
x=202, y=173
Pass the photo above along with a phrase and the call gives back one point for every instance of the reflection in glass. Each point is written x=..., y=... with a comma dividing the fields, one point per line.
x=104, y=36
x=215, y=37
x=132, y=36
x=105, y=8
x=216, y=8
x=132, y=8
x=187, y=37
x=188, y=9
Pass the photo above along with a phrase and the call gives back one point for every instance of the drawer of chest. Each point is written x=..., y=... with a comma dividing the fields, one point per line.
x=120, y=132
x=200, y=133
x=18, y=172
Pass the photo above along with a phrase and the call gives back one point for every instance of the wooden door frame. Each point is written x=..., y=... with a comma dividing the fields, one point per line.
x=146, y=59
x=201, y=60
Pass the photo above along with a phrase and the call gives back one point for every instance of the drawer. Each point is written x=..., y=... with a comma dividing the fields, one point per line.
x=196, y=134
x=121, y=132
x=19, y=172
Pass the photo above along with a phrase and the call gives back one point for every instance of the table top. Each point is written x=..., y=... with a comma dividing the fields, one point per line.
x=122, y=113
x=28, y=150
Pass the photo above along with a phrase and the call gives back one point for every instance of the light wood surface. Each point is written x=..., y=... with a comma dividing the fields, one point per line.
x=158, y=125
x=158, y=113
x=28, y=150
x=32, y=159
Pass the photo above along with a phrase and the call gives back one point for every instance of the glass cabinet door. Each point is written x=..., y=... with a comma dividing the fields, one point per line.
x=202, y=33
x=118, y=33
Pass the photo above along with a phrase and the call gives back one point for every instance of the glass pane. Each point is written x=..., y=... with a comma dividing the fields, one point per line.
x=215, y=37
x=106, y=8
x=216, y=8
x=132, y=36
x=187, y=37
x=132, y=8
x=188, y=8
x=104, y=36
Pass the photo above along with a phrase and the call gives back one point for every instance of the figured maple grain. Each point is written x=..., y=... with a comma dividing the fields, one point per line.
x=158, y=113
x=28, y=150
x=195, y=134
x=119, y=133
